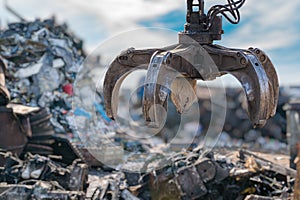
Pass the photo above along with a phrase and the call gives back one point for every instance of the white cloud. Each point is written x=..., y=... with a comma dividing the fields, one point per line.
x=113, y=16
x=266, y=24
x=269, y=25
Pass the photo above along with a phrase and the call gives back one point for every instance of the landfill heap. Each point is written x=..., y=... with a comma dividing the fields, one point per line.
x=43, y=59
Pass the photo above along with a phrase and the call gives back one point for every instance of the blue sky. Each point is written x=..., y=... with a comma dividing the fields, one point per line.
x=273, y=26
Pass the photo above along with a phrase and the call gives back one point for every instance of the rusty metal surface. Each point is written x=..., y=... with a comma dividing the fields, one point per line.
x=4, y=93
x=195, y=57
x=13, y=137
x=190, y=183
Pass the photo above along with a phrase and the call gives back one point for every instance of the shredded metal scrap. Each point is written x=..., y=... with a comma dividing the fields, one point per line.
x=202, y=175
x=38, y=177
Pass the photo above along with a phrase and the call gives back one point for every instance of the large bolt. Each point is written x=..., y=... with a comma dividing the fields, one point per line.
x=262, y=58
x=243, y=61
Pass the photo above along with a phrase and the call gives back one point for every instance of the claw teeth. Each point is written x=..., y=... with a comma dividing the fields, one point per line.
x=260, y=124
x=183, y=93
x=157, y=116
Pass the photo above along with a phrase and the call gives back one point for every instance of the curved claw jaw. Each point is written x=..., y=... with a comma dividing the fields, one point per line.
x=120, y=68
x=174, y=71
x=257, y=75
x=257, y=89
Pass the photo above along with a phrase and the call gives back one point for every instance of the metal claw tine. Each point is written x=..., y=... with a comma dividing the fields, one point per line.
x=156, y=90
x=272, y=75
x=127, y=62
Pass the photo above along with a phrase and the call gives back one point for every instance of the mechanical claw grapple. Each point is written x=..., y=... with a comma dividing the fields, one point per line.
x=173, y=71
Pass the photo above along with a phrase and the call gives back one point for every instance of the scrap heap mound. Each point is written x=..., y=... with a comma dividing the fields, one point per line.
x=40, y=62
x=43, y=59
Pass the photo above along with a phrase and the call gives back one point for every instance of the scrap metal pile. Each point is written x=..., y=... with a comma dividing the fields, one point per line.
x=38, y=177
x=201, y=175
x=42, y=61
x=38, y=65
x=196, y=174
